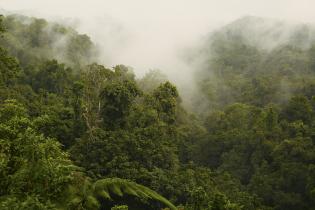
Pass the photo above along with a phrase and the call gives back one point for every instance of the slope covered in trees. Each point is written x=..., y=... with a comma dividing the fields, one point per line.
x=259, y=91
x=32, y=40
x=77, y=135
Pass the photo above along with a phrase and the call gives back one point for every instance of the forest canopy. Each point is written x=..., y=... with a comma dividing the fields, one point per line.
x=75, y=134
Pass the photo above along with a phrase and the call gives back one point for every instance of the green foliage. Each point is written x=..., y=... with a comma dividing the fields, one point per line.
x=259, y=103
x=249, y=146
x=166, y=97
x=107, y=188
x=94, y=78
x=52, y=77
x=299, y=108
x=9, y=69
x=124, y=207
x=34, y=170
x=2, y=29
x=32, y=40
x=117, y=97
x=111, y=193
x=151, y=80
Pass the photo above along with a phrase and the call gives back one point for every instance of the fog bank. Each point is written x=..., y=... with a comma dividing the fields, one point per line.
x=147, y=34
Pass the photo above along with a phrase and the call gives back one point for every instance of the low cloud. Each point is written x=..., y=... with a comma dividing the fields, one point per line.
x=148, y=34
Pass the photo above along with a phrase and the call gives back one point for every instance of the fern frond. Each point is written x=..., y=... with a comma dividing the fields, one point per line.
x=114, y=186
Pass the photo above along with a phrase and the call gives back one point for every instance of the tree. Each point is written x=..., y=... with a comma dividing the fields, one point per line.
x=34, y=170
x=9, y=69
x=53, y=78
x=298, y=108
x=117, y=98
x=166, y=97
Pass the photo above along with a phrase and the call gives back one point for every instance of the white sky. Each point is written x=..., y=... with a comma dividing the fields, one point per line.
x=159, y=10
x=148, y=34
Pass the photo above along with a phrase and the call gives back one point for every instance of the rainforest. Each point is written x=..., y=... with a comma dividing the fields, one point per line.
x=77, y=134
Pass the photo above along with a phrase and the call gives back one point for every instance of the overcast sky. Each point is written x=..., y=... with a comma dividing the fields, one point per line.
x=166, y=10
x=148, y=34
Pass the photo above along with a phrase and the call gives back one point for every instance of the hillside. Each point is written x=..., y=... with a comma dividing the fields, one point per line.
x=75, y=134
x=32, y=39
x=257, y=61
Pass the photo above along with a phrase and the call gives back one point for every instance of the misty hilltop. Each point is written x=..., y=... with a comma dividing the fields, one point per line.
x=267, y=33
x=256, y=54
x=32, y=39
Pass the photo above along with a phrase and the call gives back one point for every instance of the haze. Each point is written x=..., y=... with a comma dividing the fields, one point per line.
x=147, y=34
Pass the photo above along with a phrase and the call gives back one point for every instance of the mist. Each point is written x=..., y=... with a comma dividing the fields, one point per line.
x=148, y=34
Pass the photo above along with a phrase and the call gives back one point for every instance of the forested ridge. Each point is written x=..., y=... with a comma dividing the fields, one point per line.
x=75, y=134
